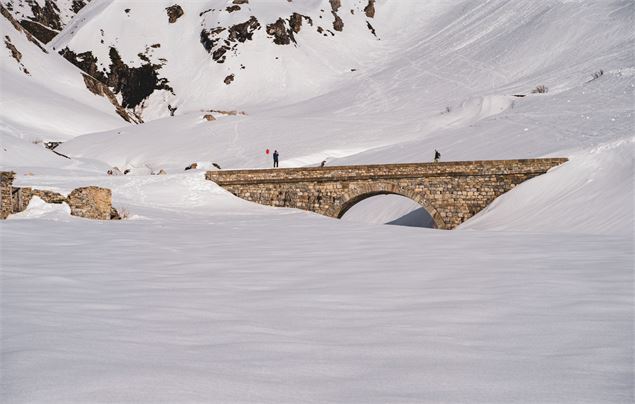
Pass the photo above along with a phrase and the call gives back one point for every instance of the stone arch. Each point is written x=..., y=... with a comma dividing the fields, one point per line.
x=368, y=191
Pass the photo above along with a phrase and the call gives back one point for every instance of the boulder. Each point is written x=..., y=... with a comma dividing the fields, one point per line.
x=91, y=203
x=209, y=117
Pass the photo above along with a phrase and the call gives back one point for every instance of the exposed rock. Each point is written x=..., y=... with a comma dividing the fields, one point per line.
x=280, y=33
x=114, y=215
x=371, y=28
x=99, y=88
x=370, y=9
x=295, y=21
x=192, y=166
x=338, y=24
x=209, y=117
x=162, y=172
x=240, y=1
x=216, y=165
x=244, y=31
x=6, y=14
x=211, y=39
x=228, y=80
x=91, y=203
x=233, y=8
x=86, y=61
x=15, y=53
x=174, y=13
x=134, y=83
x=39, y=31
x=78, y=5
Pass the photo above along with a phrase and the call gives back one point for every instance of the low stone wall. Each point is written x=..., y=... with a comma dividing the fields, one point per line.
x=6, y=190
x=451, y=192
x=87, y=202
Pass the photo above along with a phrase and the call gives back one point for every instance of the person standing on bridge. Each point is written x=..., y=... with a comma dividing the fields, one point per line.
x=437, y=156
x=275, y=158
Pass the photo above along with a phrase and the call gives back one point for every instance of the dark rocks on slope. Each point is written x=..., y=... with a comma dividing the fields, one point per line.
x=39, y=31
x=280, y=33
x=211, y=39
x=174, y=13
x=86, y=61
x=134, y=83
x=370, y=9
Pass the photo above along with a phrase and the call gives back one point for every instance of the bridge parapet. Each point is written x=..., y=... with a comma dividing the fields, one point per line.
x=451, y=192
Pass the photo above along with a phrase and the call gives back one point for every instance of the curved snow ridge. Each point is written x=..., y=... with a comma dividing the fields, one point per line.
x=478, y=108
x=592, y=193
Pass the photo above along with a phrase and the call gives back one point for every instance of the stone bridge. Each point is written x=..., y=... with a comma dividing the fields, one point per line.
x=451, y=192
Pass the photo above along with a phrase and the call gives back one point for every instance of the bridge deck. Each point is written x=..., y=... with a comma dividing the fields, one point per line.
x=384, y=171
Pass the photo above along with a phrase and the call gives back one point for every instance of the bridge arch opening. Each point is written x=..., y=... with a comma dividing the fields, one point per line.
x=384, y=207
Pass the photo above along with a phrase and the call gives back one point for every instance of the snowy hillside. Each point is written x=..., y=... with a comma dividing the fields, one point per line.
x=449, y=84
x=219, y=54
x=44, y=18
x=46, y=98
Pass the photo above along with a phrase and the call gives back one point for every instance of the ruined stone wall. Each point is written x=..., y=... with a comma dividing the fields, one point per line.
x=450, y=192
x=86, y=202
x=6, y=188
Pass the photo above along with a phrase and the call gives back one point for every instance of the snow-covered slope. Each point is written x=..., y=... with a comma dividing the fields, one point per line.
x=219, y=54
x=43, y=97
x=449, y=84
x=44, y=18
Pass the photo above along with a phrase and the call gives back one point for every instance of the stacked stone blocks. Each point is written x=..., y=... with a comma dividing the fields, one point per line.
x=451, y=192
x=87, y=202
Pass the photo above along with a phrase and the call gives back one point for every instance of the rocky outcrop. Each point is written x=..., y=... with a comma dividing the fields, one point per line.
x=6, y=14
x=133, y=83
x=218, y=41
x=369, y=10
x=338, y=24
x=281, y=34
x=91, y=203
x=174, y=13
x=44, y=19
x=15, y=54
x=99, y=88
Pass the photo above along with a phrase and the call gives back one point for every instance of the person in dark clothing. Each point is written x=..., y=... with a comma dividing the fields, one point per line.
x=437, y=156
x=275, y=158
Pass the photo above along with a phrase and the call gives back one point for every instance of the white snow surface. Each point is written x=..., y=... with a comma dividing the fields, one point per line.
x=199, y=296
x=44, y=97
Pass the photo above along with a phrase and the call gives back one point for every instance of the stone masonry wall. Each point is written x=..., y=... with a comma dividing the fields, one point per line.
x=451, y=192
x=6, y=188
x=86, y=202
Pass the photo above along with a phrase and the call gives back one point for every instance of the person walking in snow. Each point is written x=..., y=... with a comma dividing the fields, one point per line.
x=275, y=158
x=437, y=156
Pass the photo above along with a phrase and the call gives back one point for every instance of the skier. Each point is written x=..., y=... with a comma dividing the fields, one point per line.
x=437, y=156
x=275, y=158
